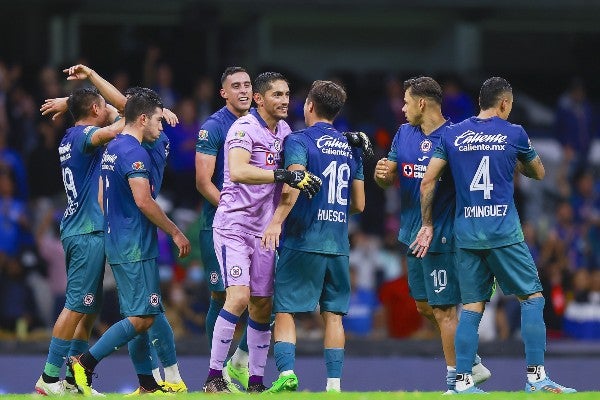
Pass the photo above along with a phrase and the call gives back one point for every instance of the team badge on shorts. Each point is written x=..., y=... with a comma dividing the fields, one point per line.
x=154, y=300
x=214, y=277
x=235, y=271
x=426, y=145
x=88, y=299
x=277, y=145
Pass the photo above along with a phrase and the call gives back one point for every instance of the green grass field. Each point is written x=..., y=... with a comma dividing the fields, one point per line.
x=346, y=396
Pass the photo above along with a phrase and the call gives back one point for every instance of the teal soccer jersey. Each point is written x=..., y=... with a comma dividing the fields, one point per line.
x=80, y=163
x=211, y=139
x=129, y=235
x=482, y=155
x=159, y=152
x=412, y=150
x=320, y=225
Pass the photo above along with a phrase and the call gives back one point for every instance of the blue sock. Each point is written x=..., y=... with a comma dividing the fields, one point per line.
x=285, y=356
x=161, y=337
x=243, y=345
x=77, y=347
x=57, y=354
x=533, y=330
x=334, y=362
x=477, y=359
x=115, y=337
x=466, y=340
x=451, y=378
x=214, y=308
x=139, y=352
x=153, y=356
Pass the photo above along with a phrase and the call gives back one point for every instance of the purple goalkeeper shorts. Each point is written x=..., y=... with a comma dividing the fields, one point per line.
x=243, y=262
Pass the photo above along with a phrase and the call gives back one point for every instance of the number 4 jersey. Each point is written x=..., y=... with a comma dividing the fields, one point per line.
x=482, y=155
x=80, y=164
x=320, y=225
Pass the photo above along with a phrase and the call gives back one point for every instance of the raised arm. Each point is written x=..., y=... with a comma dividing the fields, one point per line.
x=106, y=89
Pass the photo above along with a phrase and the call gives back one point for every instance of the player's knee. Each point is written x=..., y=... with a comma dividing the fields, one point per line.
x=424, y=309
x=445, y=315
x=143, y=323
x=237, y=301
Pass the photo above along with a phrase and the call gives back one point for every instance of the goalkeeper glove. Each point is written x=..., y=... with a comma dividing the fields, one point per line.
x=298, y=179
x=361, y=140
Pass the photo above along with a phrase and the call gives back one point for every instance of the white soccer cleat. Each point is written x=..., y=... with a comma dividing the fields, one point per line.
x=49, y=389
x=480, y=373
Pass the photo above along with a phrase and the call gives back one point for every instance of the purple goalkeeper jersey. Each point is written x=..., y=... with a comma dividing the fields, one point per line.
x=243, y=207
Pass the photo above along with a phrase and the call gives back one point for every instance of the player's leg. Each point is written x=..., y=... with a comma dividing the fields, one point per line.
x=237, y=366
x=516, y=273
x=335, y=300
x=139, y=299
x=85, y=267
x=233, y=252
x=163, y=341
x=79, y=345
x=139, y=352
x=284, y=352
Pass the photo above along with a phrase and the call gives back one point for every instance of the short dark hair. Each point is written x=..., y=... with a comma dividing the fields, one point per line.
x=230, y=71
x=491, y=91
x=263, y=81
x=137, y=89
x=424, y=86
x=81, y=100
x=142, y=102
x=328, y=98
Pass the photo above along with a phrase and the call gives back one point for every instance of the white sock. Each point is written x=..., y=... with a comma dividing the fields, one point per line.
x=156, y=375
x=463, y=382
x=287, y=372
x=333, y=383
x=536, y=373
x=172, y=374
x=239, y=359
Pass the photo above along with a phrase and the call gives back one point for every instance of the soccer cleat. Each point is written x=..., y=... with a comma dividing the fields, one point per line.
x=449, y=392
x=471, y=390
x=332, y=390
x=83, y=377
x=49, y=389
x=285, y=383
x=256, y=388
x=547, y=385
x=241, y=374
x=480, y=373
x=179, y=387
x=216, y=385
x=72, y=389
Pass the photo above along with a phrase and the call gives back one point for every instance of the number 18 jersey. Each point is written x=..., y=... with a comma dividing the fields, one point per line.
x=482, y=155
x=320, y=225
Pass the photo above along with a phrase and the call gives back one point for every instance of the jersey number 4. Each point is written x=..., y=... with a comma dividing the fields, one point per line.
x=481, y=180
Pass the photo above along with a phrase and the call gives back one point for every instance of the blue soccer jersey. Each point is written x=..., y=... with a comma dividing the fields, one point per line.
x=80, y=163
x=320, y=225
x=482, y=155
x=129, y=235
x=159, y=152
x=211, y=139
x=412, y=150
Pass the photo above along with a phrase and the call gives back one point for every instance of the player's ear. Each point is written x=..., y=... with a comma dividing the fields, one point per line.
x=258, y=99
x=223, y=93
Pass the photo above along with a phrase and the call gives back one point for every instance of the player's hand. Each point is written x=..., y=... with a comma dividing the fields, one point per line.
x=382, y=170
x=361, y=140
x=304, y=180
x=78, y=72
x=55, y=107
x=170, y=117
x=421, y=244
x=182, y=243
x=270, y=239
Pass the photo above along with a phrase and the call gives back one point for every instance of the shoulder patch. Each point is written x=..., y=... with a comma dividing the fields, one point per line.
x=240, y=134
x=138, y=165
x=203, y=134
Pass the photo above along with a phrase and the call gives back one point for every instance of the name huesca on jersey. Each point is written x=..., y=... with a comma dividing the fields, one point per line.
x=477, y=141
x=331, y=215
x=64, y=152
x=108, y=161
x=493, y=210
x=329, y=145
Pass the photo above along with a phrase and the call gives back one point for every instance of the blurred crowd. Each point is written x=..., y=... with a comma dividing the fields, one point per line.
x=560, y=216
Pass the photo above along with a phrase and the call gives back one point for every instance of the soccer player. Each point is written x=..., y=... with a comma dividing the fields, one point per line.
x=81, y=231
x=160, y=333
x=482, y=154
x=313, y=267
x=432, y=280
x=252, y=155
x=130, y=213
x=236, y=89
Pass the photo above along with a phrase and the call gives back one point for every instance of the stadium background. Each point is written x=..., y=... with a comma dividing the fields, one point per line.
x=546, y=49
